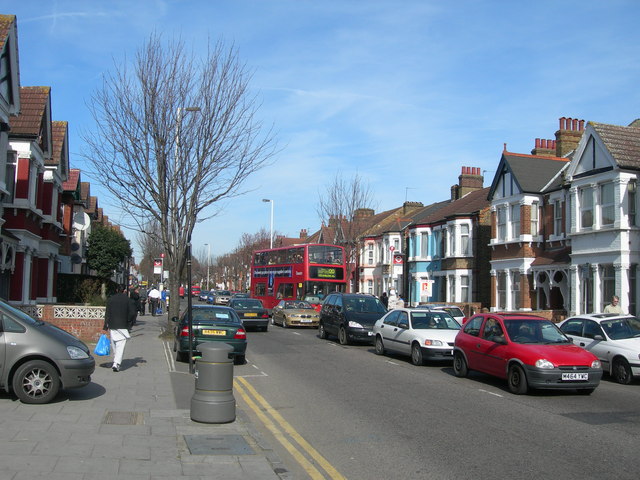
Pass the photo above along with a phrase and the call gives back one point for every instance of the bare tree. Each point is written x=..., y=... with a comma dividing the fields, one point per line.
x=340, y=206
x=174, y=136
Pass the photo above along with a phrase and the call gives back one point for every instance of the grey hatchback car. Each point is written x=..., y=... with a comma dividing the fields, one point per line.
x=37, y=359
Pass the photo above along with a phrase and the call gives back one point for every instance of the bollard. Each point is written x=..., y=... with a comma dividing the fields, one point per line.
x=213, y=400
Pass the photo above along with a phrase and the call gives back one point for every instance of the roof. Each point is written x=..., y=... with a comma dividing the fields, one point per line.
x=468, y=205
x=59, y=136
x=33, y=105
x=71, y=184
x=622, y=142
x=553, y=257
x=533, y=172
x=393, y=220
x=7, y=23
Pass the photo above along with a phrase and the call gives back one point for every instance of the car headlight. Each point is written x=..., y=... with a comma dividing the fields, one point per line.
x=596, y=364
x=354, y=324
x=77, y=353
x=433, y=343
x=545, y=364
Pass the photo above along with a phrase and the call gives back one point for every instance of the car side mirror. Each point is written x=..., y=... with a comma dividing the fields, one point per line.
x=599, y=338
x=404, y=326
x=500, y=339
x=174, y=319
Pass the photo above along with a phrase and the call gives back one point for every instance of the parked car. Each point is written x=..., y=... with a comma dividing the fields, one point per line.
x=39, y=359
x=613, y=338
x=527, y=351
x=422, y=334
x=314, y=300
x=222, y=297
x=210, y=323
x=203, y=295
x=452, y=310
x=295, y=313
x=241, y=295
x=349, y=316
x=211, y=297
x=195, y=290
x=251, y=312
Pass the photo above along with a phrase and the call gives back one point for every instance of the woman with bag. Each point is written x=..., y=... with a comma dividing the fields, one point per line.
x=118, y=319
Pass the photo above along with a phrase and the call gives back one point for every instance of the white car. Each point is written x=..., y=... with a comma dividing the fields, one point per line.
x=613, y=338
x=423, y=334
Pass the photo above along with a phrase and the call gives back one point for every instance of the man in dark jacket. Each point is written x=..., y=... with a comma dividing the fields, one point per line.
x=118, y=319
x=134, y=294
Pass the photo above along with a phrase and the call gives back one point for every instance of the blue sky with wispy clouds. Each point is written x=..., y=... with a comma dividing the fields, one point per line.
x=404, y=93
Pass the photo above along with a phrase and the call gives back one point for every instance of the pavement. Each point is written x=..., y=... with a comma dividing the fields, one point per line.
x=134, y=424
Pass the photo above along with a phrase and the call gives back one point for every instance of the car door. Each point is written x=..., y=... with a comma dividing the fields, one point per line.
x=587, y=340
x=404, y=335
x=467, y=340
x=328, y=314
x=389, y=329
x=492, y=349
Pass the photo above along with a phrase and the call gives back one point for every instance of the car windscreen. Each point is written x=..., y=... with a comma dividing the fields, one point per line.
x=434, y=320
x=295, y=305
x=534, y=332
x=363, y=305
x=247, y=304
x=454, y=311
x=21, y=315
x=210, y=315
x=622, y=328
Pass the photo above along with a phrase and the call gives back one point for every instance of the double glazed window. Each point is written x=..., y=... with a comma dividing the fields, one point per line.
x=586, y=207
x=607, y=209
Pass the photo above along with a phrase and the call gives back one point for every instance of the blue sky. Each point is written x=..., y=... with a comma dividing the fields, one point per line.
x=404, y=93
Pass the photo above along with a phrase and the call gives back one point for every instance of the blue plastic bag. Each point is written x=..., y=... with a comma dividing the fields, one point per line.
x=103, y=347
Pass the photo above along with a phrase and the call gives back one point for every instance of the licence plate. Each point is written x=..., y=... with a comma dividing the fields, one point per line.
x=305, y=320
x=250, y=314
x=214, y=332
x=575, y=376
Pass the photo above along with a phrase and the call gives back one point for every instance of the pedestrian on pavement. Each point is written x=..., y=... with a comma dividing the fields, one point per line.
x=384, y=299
x=118, y=319
x=154, y=299
x=143, y=301
x=134, y=294
x=614, y=306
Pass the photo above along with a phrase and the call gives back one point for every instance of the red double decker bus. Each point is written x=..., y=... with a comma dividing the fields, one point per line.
x=293, y=273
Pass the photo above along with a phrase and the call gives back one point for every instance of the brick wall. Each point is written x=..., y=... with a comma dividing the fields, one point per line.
x=82, y=321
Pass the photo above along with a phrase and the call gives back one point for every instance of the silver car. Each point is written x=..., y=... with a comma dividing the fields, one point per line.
x=38, y=359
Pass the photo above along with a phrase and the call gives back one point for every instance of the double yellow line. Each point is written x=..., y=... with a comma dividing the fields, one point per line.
x=283, y=432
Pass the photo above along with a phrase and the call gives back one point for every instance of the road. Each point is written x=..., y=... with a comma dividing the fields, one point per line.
x=367, y=416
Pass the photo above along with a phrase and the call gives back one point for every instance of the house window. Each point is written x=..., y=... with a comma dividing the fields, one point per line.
x=586, y=207
x=608, y=285
x=464, y=289
x=452, y=288
x=424, y=245
x=502, y=290
x=370, y=286
x=557, y=218
x=534, y=219
x=502, y=223
x=452, y=242
x=587, y=289
x=464, y=239
x=633, y=198
x=633, y=285
x=515, y=221
x=607, y=209
x=10, y=177
x=396, y=245
x=370, y=256
x=515, y=290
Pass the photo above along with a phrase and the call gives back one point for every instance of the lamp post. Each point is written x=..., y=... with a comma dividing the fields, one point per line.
x=271, y=227
x=208, y=262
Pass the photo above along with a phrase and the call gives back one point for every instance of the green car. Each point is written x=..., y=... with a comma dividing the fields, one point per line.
x=211, y=323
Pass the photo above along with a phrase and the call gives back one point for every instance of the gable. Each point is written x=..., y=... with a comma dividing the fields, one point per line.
x=593, y=158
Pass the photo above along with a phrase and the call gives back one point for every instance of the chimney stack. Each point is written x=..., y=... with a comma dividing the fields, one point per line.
x=545, y=148
x=469, y=180
x=303, y=233
x=568, y=135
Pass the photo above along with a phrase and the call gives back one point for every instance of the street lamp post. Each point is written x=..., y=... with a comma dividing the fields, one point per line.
x=208, y=262
x=271, y=227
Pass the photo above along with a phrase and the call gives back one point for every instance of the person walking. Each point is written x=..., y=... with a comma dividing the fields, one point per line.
x=134, y=294
x=154, y=298
x=143, y=301
x=384, y=299
x=614, y=306
x=118, y=318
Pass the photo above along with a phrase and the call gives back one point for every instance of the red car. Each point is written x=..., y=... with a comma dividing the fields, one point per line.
x=527, y=351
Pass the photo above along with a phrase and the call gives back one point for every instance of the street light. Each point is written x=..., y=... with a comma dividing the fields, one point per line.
x=271, y=228
x=208, y=262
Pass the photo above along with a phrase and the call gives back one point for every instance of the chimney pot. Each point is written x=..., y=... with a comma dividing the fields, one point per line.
x=581, y=125
x=575, y=124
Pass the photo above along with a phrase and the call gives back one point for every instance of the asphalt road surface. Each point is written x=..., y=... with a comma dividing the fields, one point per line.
x=353, y=414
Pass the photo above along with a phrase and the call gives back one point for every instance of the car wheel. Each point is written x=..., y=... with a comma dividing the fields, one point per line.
x=284, y=322
x=36, y=382
x=342, y=336
x=379, y=345
x=239, y=360
x=517, y=380
x=621, y=371
x=265, y=328
x=181, y=356
x=460, y=368
x=416, y=355
x=322, y=333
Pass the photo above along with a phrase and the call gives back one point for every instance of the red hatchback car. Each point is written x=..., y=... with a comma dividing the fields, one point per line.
x=527, y=351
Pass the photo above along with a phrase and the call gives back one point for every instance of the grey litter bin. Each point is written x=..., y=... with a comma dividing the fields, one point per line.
x=213, y=400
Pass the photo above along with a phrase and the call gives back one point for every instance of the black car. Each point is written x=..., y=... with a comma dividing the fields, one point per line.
x=210, y=324
x=350, y=317
x=251, y=312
